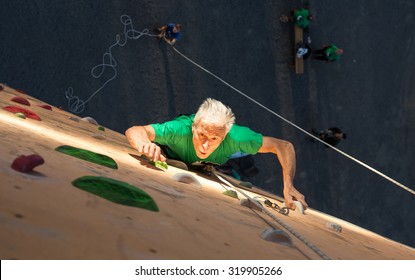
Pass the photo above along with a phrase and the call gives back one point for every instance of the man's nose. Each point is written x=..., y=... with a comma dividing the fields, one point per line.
x=205, y=145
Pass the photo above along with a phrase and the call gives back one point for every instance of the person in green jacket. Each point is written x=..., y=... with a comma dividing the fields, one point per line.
x=328, y=53
x=301, y=17
x=211, y=136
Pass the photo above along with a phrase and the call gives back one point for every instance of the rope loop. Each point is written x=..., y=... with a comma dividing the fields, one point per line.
x=107, y=69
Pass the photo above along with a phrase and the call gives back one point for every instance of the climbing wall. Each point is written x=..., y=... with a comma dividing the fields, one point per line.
x=72, y=189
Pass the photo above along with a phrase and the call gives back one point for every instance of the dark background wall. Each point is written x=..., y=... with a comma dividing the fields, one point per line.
x=47, y=47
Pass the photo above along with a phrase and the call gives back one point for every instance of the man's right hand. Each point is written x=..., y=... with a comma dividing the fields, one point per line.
x=140, y=138
x=151, y=150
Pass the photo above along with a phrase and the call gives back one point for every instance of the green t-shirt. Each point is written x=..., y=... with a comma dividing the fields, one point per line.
x=301, y=17
x=177, y=136
x=330, y=53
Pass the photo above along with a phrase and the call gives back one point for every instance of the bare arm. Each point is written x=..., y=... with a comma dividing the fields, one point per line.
x=170, y=41
x=286, y=155
x=162, y=31
x=140, y=138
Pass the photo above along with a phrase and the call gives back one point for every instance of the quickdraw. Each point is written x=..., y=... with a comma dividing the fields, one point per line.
x=274, y=206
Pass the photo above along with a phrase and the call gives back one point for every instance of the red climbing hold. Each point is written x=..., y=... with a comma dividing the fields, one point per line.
x=29, y=114
x=21, y=91
x=27, y=163
x=20, y=100
x=45, y=106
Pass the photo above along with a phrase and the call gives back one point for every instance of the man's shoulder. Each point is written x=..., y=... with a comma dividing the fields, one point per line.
x=181, y=122
x=242, y=132
x=333, y=47
x=237, y=127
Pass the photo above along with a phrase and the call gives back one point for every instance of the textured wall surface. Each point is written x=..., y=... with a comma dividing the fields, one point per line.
x=48, y=48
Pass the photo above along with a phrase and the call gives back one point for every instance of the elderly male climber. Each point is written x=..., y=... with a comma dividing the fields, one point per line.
x=211, y=136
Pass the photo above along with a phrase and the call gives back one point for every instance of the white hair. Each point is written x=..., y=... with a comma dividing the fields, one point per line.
x=215, y=113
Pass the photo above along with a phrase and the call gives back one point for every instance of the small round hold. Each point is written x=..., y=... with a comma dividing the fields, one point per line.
x=250, y=204
x=334, y=226
x=20, y=100
x=277, y=236
x=298, y=206
x=20, y=115
x=90, y=120
x=99, y=136
x=187, y=179
x=45, y=106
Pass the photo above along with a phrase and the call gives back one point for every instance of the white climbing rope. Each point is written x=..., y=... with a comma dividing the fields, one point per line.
x=299, y=128
x=284, y=225
x=108, y=65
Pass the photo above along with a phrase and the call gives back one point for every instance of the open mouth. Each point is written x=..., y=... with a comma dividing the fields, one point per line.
x=203, y=154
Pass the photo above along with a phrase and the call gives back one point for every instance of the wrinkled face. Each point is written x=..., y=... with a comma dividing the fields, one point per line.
x=206, y=138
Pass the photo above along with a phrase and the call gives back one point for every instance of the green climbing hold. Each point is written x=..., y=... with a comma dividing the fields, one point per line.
x=101, y=128
x=161, y=164
x=246, y=184
x=231, y=193
x=20, y=115
x=116, y=191
x=88, y=156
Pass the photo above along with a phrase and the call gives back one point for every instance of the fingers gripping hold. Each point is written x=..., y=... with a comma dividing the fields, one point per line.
x=152, y=151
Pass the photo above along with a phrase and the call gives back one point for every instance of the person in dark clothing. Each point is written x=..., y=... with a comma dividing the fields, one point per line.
x=329, y=53
x=303, y=50
x=170, y=32
x=331, y=136
x=241, y=168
